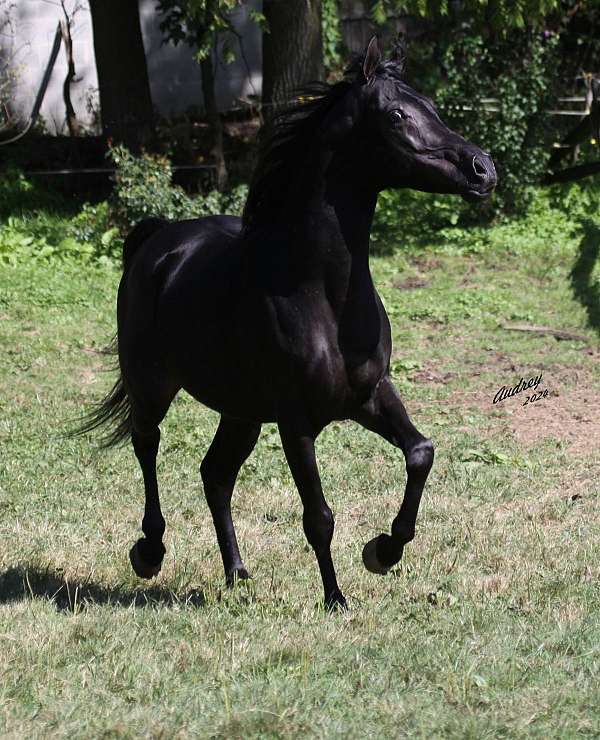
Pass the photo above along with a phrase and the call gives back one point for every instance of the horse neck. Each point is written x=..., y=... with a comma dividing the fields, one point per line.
x=334, y=249
x=337, y=218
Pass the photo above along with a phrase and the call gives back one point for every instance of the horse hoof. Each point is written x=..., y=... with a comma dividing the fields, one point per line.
x=140, y=567
x=370, y=560
x=238, y=574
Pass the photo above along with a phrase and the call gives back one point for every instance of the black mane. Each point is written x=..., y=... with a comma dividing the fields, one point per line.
x=286, y=141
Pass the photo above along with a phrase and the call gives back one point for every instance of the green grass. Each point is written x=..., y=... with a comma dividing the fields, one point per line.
x=490, y=626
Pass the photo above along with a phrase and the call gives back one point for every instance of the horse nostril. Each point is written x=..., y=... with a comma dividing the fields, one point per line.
x=479, y=168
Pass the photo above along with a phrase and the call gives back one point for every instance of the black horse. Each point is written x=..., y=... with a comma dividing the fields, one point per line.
x=274, y=317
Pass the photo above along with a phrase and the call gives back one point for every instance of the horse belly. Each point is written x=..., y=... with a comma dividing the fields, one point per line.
x=222, y=356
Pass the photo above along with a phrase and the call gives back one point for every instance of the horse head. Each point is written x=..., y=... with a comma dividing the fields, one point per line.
x=402, y=135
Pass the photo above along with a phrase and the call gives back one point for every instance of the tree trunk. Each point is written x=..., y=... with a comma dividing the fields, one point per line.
x=125, y=100
x=213, y=116
x=72, y=122
x=292, y=49
x=215, y=123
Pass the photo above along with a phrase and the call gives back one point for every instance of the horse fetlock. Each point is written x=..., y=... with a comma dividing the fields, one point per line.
x=336, y=602
x=381, y=553
x=153, y=527
x=146, y=559
x=403, y=533
x=235, y=575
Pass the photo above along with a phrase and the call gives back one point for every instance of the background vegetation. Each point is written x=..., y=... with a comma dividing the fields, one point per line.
x=490, y=626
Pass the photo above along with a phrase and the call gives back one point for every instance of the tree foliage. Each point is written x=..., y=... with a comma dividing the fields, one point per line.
x=498, y=15
x=206, y=26
x=198, y=22
x=519, y=72
x=331, y=34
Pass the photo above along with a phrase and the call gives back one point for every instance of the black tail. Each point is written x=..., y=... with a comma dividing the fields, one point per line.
x=115, y=410
x=140, y=232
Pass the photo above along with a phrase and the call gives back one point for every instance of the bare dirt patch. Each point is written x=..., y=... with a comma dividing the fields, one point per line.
x=571, y=416
x=426, y=263
x=432, y=376
x=411, y=283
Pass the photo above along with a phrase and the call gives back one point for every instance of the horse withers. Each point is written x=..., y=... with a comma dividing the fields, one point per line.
x=273, y=317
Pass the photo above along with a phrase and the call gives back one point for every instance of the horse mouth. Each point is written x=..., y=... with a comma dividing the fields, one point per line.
x=471, y=195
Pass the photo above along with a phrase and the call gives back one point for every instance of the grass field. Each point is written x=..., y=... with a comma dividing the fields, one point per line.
x=490, y=626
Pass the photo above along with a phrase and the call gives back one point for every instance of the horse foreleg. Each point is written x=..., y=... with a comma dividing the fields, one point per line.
x=385, y=414
x=232, y=444
x=299, y=446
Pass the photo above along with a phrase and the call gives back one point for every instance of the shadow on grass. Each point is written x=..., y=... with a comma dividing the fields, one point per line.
x=20, y=583
x=585, y=288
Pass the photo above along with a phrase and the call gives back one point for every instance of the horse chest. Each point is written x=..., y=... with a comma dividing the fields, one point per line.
x=309, y=358
x=333, y=373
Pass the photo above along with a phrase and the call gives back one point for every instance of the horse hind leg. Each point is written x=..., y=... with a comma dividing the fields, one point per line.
x=147, y=554
x=232, y=444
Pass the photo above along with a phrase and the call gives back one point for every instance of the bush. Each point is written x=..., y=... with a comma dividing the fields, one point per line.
x=40, y=224
x=143, y=188
x=520, y=72
x=45, y=237
x=94, y=225
x=19, y=196
x=408, y=217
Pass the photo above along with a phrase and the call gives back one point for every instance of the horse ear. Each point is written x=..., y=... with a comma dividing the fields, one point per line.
x=398, y=56
x=372, y=59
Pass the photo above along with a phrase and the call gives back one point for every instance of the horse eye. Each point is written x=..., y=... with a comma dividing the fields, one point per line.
x=399, y=114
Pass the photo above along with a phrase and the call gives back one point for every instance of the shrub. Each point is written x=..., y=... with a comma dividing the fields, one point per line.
x=40, y=224
x=18, y=196
x=27, y=239
x=143, y=188
x=520, y=72
x=94, y=225
x=407, y=217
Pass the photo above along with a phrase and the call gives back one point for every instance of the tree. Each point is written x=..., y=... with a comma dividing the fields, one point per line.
x=125, y=99
x=205, y=25
x=497, y=69
x=292, y=47
x=65, y=26
x=496, y=16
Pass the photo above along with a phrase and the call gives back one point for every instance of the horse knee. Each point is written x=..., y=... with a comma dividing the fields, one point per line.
x=420, y=458
x=207, y=473
x=318, y=526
